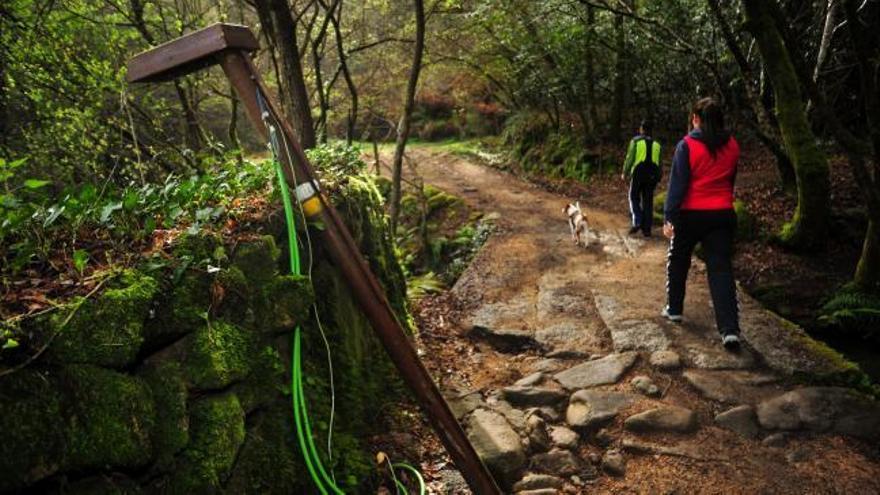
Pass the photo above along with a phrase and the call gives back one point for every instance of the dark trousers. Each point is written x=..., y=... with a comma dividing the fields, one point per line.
x=715, y=229
x=641, y=202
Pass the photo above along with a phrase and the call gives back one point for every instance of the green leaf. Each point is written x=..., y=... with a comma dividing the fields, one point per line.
x=36, y=183
x=80, y=259
x=130, y=201
x=10, y=344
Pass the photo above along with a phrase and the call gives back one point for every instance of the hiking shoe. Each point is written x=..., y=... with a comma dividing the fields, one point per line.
x=633, y=230
x=669, y=316
x=730, y=340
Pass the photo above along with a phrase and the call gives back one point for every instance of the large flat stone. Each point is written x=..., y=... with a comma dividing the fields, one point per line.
x=637, y=335
x=497, y=444
x=662, y=419
x=603, y=371
x=592, y=408
x=740, y=420
x=731, y=387
x=532, y=396
x=712, y=356
x=534, y=481
x=832, y=409
x=560, y=335
x=557, y=462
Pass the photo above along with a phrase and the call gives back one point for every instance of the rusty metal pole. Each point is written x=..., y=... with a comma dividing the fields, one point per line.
x=228, y=45
x=366, y=288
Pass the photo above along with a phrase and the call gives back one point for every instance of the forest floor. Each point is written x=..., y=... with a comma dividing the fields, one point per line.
x=557, y=362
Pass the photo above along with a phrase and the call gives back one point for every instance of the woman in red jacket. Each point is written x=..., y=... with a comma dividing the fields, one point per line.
x=699, y=209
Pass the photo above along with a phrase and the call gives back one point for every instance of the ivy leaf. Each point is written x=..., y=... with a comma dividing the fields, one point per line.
x=36, y=183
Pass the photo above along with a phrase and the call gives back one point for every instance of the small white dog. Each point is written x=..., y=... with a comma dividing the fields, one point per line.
x=577, y=222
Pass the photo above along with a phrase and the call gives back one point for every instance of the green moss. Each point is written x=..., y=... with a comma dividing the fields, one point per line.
x=746, y=229
x=218, y=431
x=219, y=354
x=190, y=300
x=286, y=302
x=108, y=330
x=197, y=247
x=258, y=260
x=171, y=434
x=111, y=419
x=33, y=436
x=236, y=295
x=266, y=382
x=269, y=463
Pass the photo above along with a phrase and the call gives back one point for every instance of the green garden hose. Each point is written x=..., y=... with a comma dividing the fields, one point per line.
x=323, y=481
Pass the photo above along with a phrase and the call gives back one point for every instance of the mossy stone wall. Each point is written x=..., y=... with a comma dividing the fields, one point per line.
x=177, y=380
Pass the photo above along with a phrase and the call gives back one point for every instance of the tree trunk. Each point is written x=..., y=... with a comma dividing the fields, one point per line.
x=864, y=41
x=825, y=43
x=867, y=276
x=616, y=121
x=767, y=133
x=409, y=103
x=809, y=225
x=346, y=74
x=591, y=73
x=276, y=18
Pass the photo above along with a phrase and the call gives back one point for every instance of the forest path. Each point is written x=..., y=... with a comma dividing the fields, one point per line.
x=568, y=380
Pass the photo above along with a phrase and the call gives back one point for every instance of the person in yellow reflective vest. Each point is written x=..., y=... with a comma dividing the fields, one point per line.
x=643, y=165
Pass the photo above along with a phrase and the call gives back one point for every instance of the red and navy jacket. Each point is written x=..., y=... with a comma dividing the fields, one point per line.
x=700, y=180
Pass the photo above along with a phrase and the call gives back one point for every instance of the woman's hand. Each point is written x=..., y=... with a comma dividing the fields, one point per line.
x=668, y=230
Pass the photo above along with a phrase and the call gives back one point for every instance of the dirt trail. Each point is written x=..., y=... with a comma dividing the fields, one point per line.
x=581, y=323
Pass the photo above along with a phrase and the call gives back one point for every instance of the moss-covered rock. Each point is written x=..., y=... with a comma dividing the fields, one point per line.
x=33, y=433
x=218, y=430
x=286, y=302
x=257, y=260
x=108, y=330
x=219, y=354
x=268, y=462
x=110, y=419
x=266, y=382
x=232, y=296
x=171, y=433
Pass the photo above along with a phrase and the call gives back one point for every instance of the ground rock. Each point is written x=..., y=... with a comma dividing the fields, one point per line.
x=462, y=405
x=539, y=439
x=530, y=380
x=834, y=409
x=528, y=396
x=732, y=387
x=613, y=463
x=558, y=461
x=665, y=360
x=515, y=417
x=534, y=481
x=603, y=371
x=741, y=420
x=775, y=440
x=645, y=385
x=666, y=418
x=563, y=437
x=590, y=408
x=497, y=444
x=541, y=491
x=637, y=335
